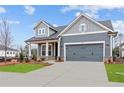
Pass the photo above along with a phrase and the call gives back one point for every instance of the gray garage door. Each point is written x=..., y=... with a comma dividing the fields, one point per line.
x=84, y=52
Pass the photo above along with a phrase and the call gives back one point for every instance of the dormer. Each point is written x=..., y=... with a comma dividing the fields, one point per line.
x=43, y=29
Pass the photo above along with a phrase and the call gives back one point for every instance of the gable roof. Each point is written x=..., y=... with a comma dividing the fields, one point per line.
x=101, y=24
x=107, y=23
x=51, y=37
x=2, y=47
x=60, y=28
x=46, y=23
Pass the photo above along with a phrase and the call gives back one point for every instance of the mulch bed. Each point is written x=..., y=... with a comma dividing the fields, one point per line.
x=13, y=62
x=114, y=62
x=8, y=63
x=43, y=63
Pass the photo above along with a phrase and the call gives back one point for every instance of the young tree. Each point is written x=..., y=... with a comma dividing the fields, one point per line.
x=5, y=35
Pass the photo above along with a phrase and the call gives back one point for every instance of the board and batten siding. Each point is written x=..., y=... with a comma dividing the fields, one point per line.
x=86, y=38
x=51, y=32
x=90, y=26
x=48, y=31
x=42, y=25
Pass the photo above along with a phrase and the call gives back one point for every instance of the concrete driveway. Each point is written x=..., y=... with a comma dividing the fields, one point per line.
x=65, y=74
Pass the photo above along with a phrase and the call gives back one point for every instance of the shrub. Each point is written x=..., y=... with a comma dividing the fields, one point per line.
x=21, y=57
x=26, y=59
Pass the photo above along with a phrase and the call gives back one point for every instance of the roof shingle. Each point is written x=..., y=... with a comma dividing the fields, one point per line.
x=59, y=29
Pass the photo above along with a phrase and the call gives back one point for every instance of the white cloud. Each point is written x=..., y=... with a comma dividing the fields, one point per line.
x=91, y=10
x=118, y=26
x=29, y=9
x=2, y=10
x=78, y=13
x=55, y=25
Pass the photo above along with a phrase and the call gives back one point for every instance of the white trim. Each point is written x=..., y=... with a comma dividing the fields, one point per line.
x=92, y=42
x=59, y=47
x=85, y=27
x=48, y=24
x=29, y=50
x=97, y=22
x=85, y=33
x=87, y=18
x=47, y=45
x=37, y=42
x=42, y=21
x=45, y=23
x=38, y=50
x=54, y=48
x=111, y=44
x=41, y=31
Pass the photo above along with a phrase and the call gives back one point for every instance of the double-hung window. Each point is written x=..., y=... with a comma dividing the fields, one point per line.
x=43, y=50
x=41, y=31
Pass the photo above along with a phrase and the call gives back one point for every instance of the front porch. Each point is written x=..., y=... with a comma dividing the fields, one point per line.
x=46, y=49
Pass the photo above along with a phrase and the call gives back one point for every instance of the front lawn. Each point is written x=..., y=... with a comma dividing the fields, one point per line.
x=115, y=72
x=21, y=68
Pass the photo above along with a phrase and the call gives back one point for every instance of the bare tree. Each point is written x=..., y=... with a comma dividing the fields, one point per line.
x=5, y=35
x=119, y=41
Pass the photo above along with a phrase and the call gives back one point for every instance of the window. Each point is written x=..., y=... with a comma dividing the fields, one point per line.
x=43, y=50
x=41, y=31
x=82, y=27
x=50, y=50
x=13, y=52
x=7, y=52
x=10, y=52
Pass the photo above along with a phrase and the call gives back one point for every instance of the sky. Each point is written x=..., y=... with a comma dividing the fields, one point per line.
x=22, y=19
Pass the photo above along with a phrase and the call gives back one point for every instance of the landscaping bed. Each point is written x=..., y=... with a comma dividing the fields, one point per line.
x=21, y=67
x=115, y=72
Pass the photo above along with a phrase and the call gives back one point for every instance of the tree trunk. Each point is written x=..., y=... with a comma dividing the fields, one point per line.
x=5, y=55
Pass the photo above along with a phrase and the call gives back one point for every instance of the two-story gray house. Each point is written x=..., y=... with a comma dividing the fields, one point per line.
x=84, y=39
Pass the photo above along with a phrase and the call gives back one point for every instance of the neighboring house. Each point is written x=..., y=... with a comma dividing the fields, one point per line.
x=84, y=39
x=9, y=53
x=122, y=50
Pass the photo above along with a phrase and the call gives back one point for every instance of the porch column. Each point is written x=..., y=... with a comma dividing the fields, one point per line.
x=47, y=50
x=29, y=50
x=54, y=48
x=111, y=45
x=59, y=47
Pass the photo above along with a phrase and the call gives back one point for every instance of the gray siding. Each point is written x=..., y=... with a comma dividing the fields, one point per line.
x=87, y=38
x=39, y=27
x=89, y=25
x=51, y=32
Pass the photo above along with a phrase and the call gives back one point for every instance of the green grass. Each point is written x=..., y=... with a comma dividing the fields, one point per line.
x=115, y=72
x=21, y=68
